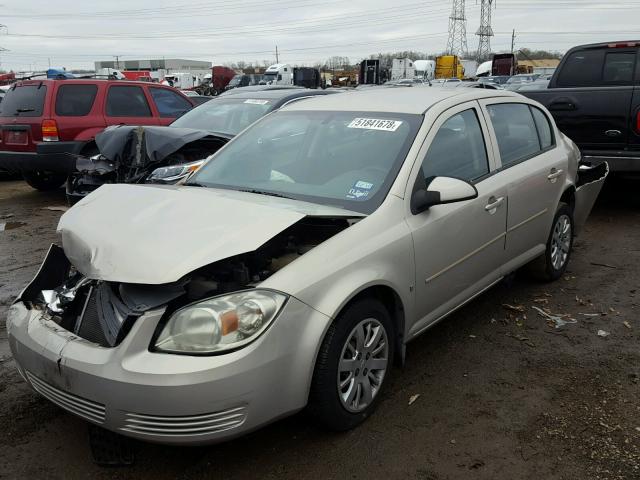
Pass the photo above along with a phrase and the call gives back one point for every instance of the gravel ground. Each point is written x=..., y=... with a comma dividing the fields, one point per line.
x=503, y=394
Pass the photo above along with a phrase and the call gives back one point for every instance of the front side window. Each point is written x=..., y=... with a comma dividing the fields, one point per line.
x=458, y=149
x=75, y=100
x=127, y=101
x=343, y=159
x=515, y=131
x=170, y=104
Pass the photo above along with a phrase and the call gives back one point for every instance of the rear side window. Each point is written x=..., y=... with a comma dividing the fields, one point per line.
x=458, y=149
x=24, y=101
x=515, y=131
x=170, y=104
x=618, y=68
x=127, y=101
x=594, y=68
x=544, y=128
x=75, y=100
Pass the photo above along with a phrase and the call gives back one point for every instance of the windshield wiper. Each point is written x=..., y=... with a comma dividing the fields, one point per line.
x=24, y=110
x=264, y=192
x=194, y=184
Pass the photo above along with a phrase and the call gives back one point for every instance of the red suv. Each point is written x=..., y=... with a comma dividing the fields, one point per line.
x=43, y=121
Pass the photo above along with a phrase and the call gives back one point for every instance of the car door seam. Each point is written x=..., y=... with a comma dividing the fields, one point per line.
x=466, y=257
x=532, y=217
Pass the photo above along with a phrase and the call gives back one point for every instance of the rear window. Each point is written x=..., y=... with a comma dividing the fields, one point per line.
x=24, y=101
x=75, y=100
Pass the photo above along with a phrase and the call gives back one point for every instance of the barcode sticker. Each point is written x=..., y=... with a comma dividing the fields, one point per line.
x=375, y=124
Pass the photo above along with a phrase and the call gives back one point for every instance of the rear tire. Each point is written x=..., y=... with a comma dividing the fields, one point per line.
x=553, y=263
x=353, y=365
x=44, y=181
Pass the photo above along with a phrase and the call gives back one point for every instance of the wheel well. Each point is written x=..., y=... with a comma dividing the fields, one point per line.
x=89, y=148
x=569, y=197
x=391, y=300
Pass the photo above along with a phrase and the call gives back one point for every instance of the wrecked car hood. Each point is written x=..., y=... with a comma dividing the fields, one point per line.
x=121, y=143
x=155, y=234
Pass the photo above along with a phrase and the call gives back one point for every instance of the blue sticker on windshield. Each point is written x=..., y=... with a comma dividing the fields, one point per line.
x=360, y=190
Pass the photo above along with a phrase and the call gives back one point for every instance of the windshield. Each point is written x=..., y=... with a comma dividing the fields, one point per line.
x=225, y=115
x=345, y=159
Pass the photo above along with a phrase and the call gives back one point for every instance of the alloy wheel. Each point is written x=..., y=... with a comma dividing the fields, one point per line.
x=561, y=241
x=363, y=365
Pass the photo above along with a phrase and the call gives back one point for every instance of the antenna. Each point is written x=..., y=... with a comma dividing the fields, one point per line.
x=485, y=32
x=457, y=42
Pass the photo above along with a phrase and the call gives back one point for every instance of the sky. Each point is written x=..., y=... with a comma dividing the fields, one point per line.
x=39, y=33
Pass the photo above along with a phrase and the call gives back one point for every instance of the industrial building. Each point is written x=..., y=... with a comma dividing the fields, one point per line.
x=166, y=65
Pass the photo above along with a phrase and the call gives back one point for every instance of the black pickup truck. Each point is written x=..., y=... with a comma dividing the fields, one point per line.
x=594, y=96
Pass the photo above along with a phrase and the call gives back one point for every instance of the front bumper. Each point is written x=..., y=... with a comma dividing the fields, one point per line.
x=56, y=157
x=165, y=398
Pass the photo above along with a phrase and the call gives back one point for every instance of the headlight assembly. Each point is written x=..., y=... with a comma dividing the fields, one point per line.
x=173, y=173
x=221, y=323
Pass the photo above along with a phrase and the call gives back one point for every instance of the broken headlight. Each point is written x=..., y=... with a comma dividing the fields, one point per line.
x=173, y=173
x=221, y=323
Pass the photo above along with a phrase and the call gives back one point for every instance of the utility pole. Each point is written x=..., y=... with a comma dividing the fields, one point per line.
x=117, y=57
x=457, y=42
x=485, y=32
x=277, y=58
x=513, y=40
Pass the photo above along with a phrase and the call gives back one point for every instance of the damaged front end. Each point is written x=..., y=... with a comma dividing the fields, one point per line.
x=103, y=312
x=137, y=154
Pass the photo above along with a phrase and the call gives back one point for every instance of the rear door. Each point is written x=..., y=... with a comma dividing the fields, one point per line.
x=533, y=171
x=21, y=114
x=634, y=120
x=128, y=105
x=169, y=104
x=592, y=98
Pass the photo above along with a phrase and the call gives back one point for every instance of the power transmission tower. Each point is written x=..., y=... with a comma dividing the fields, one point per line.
x=485, y=32
x=457, y=42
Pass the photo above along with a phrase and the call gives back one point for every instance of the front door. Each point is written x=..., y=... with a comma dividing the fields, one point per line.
x=459, y=247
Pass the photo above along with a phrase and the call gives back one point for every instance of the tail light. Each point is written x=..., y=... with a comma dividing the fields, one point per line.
x=638, y=122
x=49, y=131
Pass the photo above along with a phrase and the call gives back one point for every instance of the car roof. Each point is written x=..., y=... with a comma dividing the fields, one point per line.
x=276, y=94
x=416, y=100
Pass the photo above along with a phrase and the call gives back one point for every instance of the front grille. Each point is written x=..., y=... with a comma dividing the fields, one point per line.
x=192, y=425
x=87, y=409
x=90, y=327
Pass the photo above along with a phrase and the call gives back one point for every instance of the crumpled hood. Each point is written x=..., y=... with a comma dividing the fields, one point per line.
x=156, y=234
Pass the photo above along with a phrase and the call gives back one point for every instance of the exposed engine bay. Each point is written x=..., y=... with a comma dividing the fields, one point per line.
x=129, y=154
x=104, y=312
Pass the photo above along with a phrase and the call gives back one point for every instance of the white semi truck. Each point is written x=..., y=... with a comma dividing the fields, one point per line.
x=279, y=74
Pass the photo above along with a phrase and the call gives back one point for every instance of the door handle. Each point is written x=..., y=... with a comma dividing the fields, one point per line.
x=613, y=133
x=562, y=104
x=493, y=204
x=554, y=174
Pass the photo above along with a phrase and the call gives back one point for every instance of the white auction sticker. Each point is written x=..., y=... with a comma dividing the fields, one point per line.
x=375, y=124
x=256, y=101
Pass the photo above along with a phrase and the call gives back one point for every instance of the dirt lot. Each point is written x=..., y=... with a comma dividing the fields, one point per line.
x=503, y=394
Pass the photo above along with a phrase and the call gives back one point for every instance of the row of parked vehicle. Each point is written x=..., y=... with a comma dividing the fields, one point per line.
x=291, y=267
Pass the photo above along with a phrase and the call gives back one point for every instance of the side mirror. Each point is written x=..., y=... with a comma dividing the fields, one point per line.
x=441, y=190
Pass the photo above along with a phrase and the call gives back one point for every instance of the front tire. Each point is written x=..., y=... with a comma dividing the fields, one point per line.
x=44, y=181
x=353, y=365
